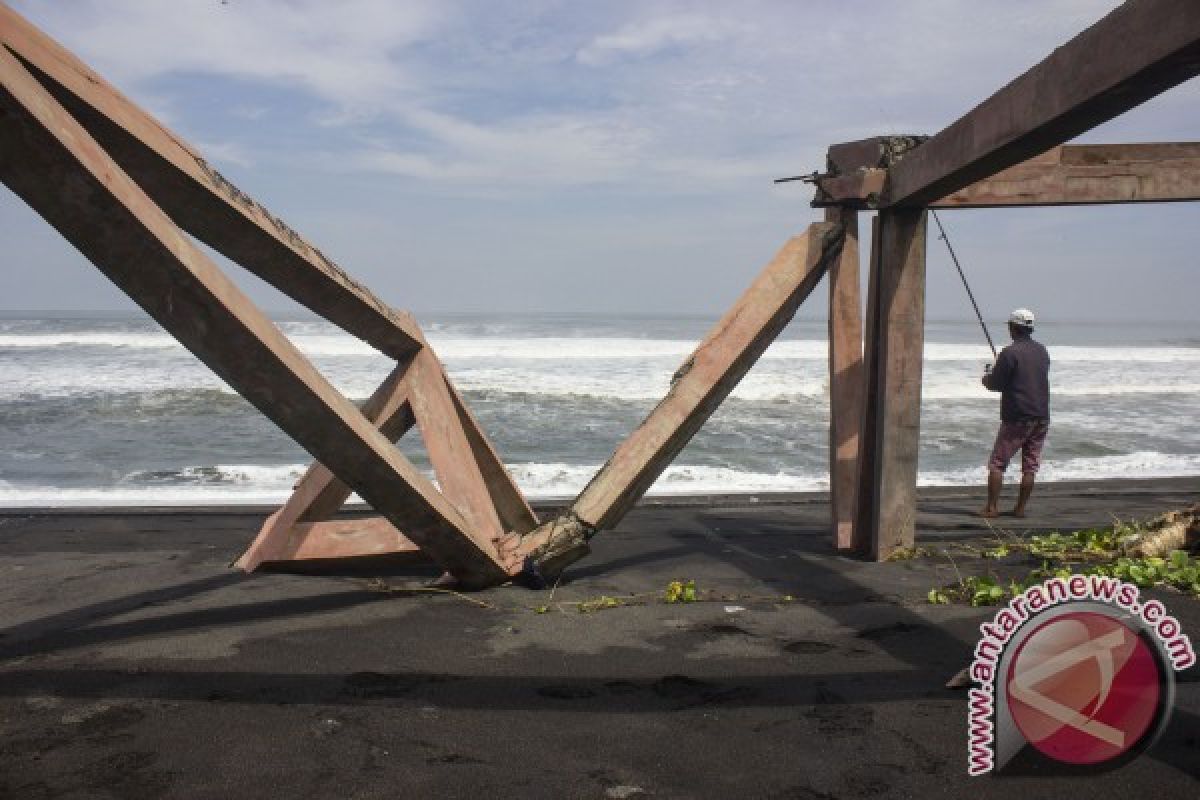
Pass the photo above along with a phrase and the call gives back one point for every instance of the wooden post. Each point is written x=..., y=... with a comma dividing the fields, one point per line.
x=845, y=381
x=864, y=494
x=887, y=506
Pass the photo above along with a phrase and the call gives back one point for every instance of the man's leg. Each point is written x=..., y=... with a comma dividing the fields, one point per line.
x=1002, y=452
x=995, y=481
x=1031, y=461
x=1027, y=479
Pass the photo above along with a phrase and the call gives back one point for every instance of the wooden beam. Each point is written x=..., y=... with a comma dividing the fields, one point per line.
x=297, y=528
x=866, y=508
x=1141, y=49
x=892, y=426
x=697, y=390
x=318, y=494
x=709, y=375
x=201, y=200
x=516, y=516
x=344, y=538
x=446, y=443
x=52, y=163
x=845, y=381
x=1090, y=174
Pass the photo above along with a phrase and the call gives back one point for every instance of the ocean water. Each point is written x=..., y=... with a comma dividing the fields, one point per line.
x=110, y=410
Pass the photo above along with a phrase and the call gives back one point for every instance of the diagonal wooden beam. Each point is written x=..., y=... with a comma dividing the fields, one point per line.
x=52, y=163
x=201, y=200
x=1142, y=48
x=697, y=390
x=302, y=528
x=318, y=494
x=446, y=443
x=1090, y=174
x=515, y=513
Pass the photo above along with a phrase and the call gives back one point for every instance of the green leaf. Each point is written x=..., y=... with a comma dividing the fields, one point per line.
x=938, y=597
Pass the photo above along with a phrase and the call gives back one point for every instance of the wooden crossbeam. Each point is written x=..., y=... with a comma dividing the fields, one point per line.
x=446, y=443
x=514, y=511
x=297, y=529
x=1142, y=48
x=348, y=538
x=52, y=163
x=845, y=381
x=202, y=201
x=302, y=528
x=1090, y=174
x=697, y=390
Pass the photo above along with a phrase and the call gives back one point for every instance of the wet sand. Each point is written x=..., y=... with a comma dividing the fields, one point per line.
x=135, y=664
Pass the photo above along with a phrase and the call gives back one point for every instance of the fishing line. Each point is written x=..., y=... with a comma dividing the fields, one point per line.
x=966, y=285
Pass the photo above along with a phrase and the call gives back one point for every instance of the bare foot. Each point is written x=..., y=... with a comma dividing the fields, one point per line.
x=1018, y=513
x=988, y=513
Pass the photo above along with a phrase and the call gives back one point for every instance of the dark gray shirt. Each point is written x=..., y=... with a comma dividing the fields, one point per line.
x=1022, y=374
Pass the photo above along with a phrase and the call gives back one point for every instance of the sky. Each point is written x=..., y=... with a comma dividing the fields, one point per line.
x=610, y=157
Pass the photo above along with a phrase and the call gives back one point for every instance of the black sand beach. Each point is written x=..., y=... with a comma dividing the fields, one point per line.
x=135, y=664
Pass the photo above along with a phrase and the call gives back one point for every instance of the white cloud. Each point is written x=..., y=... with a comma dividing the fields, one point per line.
x=654, y=35
x=341, y=52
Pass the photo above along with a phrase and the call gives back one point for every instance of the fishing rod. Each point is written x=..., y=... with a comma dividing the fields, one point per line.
x=966, y=285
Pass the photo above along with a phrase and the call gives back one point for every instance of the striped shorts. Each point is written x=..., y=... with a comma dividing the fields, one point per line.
x=1028, y=436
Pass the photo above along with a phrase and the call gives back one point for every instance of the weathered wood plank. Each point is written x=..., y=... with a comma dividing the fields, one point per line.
x=345, y=538
x=201, y=200
x=318, y=494
x=52, y=163
x=1142, y=48
x=516, y=516
x=709, y=375
x=894, y=385
x=1090, y=174
x=866, y=506
x=697, y=390
x=845, y=381
x=446, y=443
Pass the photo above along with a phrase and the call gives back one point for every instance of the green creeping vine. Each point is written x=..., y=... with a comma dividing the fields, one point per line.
x=1093, y=551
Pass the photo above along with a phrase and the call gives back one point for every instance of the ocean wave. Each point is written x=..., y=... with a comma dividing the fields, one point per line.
x=1140, y=464
x=263, y=477
x=560, y=480
x=250, y=484
x=174, y=390
x=155, y=341
x=567, y=348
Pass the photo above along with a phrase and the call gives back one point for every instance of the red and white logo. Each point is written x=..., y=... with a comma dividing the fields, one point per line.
x=1077, y=670
x=1084, y=688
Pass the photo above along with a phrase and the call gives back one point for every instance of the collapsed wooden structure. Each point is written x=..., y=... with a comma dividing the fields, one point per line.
x=127, y=193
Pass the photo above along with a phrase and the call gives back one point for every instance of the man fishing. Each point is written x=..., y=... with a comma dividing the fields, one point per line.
x=1022, y=376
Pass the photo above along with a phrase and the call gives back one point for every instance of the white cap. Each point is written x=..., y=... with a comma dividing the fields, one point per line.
x=1022, y=317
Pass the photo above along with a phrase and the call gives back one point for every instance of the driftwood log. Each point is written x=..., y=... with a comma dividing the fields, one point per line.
x=1174, y=530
